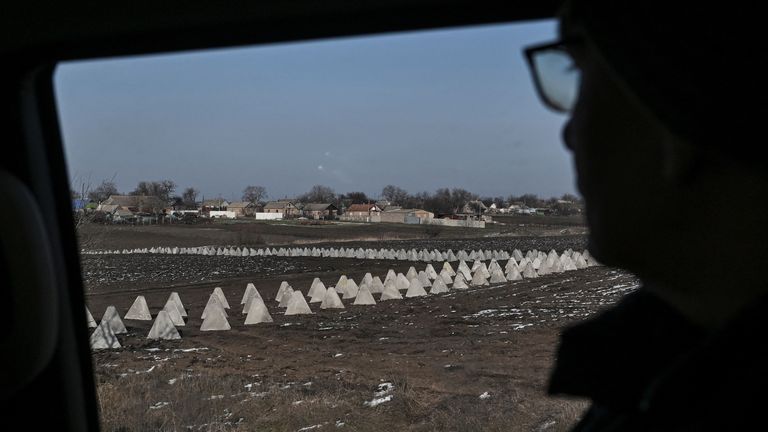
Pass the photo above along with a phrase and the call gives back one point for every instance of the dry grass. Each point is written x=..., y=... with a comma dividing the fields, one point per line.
x=213, y=401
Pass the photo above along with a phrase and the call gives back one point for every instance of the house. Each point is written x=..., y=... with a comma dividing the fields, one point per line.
x=219, y=204
x=362, y=209
x=133, y=203
x=286, y=208
x=383, y=204
x=474, y=207
x=362, y=213
x=320, y=211
x=409, y=216
x=243, y=208
x=123, y=216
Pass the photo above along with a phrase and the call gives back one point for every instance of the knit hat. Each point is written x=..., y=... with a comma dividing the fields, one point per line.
x=695, y=65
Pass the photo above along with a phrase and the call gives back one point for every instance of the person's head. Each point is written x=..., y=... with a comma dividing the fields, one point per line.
x=658, y=125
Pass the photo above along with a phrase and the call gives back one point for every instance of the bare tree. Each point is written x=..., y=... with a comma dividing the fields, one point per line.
x=254, y=194
x=319, y=194
x=161, y=189
x=89, y=233
x=101, y=192
x=189, y=197
x=356, y=197
x=394, y=194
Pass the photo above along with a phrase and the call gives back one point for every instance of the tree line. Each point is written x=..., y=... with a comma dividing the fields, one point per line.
x=442, y=202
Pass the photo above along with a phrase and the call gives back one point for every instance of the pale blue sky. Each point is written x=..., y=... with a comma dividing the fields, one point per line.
x=421, y=110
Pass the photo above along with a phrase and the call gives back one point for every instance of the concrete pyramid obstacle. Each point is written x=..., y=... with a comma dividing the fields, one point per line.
x=464, y=269
x=466, y=273
x=173, y=313
x=402, y=282
x=476, y=265
x=298, y=306
x=364, y=296
x=376, y=286
x=446, y=277
x=331, y=300
x=342, y=281
x=483, y=269
x=316, y=282
x=416, y=289
x=368, y=279
x=287, y=296
x=459, y=282
x=430, y=271
x=318, y=293
x=283, y=286
x=341, y=285
x=163, y=327
x=536, y=263
x=447, y=268
x=494, y=265
x=424, y=279
x=528, y=272
x=438, y=287
x=513, y=275
x=497, y=276
x=223, y=299
x=215, y=317
x=103, y=337
x=545, y=268
x=411, y=273
x=250, y=293
x=257, y=313
x=569, y=265
x=479, y=279
x=179, y=305
x=249, y=290
x=511, y=264
x=112, y=319
x=517, y=255
x=213, y=302
x=89, y=319
x=390, y=275
x=352, y=289
x=390, y=291
x=139, y=310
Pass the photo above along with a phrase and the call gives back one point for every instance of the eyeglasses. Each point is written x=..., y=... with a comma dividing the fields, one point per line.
x=555, y=75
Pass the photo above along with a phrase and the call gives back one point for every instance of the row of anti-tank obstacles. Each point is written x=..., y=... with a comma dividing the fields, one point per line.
x=414, y=284
x=359, y=253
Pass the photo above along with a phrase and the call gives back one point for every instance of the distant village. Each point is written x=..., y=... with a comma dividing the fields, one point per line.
x=154, y=202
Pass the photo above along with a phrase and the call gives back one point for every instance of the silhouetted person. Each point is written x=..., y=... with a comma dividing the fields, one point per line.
x=671, y=161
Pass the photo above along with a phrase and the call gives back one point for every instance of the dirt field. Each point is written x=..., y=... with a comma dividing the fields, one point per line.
x=468, y=360
x=253, y=233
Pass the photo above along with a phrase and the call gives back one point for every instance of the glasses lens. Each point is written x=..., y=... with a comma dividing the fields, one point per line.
x=558, y=77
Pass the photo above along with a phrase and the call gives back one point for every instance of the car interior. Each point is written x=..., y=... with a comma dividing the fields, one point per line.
x=47, y=360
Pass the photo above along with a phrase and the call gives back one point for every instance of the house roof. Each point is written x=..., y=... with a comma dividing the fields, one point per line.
x=363, y=208
x=278, y=205
x=240, y=204
x=145, y=201
x=123, y=213
x=319, y=207
x=216, y=202
x=109, y=208
x=408, y=211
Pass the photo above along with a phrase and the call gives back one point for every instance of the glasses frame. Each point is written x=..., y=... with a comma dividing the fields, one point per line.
x=530, y=53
